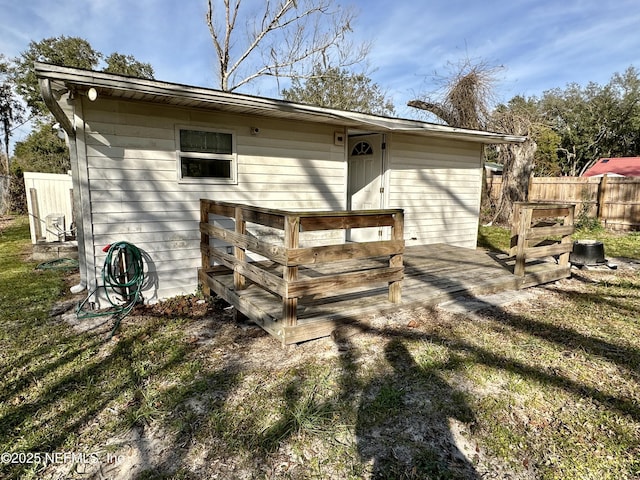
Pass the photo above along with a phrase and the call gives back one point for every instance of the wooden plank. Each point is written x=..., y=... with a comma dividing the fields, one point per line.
x=263, y=216
x=266, y=265
x=359, y=309
x=245, y=305
x=563, y=260
x=262, y=278
x=347, y=213
x=271, y=251
x=515, y=225
x=544, y=205
x=222, y=210
x=434, y=275
x=204, y=240
x=343, y=281
x=260, y=216
x=524, y=224
x=258, y=275
x=217, y=270
x=308, y=331
x=331, y=253
x=290, y=274
x=602, y=192
x=550, y=212
x=469, y=283
x=548, y=250
x=397, y=234
x=35, y=210
x=545, y=276
x=345, y=221
x=225, y=259
x=239, y=281
x=546, y=232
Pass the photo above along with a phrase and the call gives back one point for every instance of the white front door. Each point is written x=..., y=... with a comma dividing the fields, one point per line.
x=365, y=181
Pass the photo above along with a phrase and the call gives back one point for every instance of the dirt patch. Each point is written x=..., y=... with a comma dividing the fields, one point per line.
x=5, y=221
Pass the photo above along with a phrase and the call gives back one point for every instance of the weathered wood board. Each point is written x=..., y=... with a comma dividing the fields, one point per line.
x=433, y=274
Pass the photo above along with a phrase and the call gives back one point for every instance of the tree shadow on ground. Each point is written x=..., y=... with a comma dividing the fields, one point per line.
x=408, y=419
x=404, y=421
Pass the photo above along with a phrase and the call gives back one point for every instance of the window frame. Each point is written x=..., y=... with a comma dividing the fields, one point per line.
x=232, y=157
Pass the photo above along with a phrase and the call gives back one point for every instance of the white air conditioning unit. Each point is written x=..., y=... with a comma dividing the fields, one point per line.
x=55, y=227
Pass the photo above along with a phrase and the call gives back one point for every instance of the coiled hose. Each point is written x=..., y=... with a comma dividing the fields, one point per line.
x=123, y=275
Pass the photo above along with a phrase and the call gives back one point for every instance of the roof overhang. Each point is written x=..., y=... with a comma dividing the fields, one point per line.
x=56, y=81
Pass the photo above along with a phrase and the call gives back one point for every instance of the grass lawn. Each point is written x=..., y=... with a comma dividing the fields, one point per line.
x=544, y=389
x=616, y=244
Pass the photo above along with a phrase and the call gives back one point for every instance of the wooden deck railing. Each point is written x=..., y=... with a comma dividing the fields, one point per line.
x=285, y=281
x=541, y=230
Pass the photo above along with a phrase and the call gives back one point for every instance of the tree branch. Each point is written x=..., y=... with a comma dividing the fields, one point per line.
x=435, y=108
x=287, y=34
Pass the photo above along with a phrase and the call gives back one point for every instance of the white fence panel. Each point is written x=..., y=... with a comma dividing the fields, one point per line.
x=49, y=195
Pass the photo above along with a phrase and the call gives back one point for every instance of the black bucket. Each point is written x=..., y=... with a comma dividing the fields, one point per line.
x=587, y=252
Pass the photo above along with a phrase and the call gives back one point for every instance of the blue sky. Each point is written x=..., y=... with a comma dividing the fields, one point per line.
x=542, y=44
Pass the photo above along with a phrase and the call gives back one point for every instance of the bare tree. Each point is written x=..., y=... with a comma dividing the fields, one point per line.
x=467, y=102
x=466, y=97
x=517, y=160
x=285, y=40
x=11, y=111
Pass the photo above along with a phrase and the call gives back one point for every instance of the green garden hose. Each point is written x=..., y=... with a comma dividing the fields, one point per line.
x=123, y=275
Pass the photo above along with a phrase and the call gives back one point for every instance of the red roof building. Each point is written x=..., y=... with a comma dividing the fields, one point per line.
x=624, y=166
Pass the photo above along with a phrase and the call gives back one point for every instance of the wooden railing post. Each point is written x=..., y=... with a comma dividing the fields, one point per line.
x=33, y=193
x=239, y=281
x=532, y=238
x=290, y=274
x=563, y=259
x=515, y=225
x=397, y=233
x=524, y=216
x=204, y=244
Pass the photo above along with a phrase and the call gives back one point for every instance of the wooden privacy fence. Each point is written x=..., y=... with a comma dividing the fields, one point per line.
x=287, y=271
x=542, y=230
x=615, y=201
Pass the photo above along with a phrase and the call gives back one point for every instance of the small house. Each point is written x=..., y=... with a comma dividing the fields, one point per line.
x=615, y=167
x=144, y=152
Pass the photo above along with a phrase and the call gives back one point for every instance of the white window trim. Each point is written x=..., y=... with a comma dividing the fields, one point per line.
x=233, y=157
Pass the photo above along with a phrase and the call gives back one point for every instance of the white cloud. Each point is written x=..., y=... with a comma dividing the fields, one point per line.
x=542, y=43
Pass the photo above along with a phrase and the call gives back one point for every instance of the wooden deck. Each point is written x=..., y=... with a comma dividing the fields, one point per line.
x=304, y=291
x=432, y=274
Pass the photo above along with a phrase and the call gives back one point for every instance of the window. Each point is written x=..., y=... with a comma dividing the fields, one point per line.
x=206, y=156
x=362, y=148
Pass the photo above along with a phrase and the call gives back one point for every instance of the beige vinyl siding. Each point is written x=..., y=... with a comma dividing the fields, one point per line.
x=438, y=185
x=136, y=197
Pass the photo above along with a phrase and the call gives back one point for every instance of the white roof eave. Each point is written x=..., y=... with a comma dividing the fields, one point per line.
x=119, y=86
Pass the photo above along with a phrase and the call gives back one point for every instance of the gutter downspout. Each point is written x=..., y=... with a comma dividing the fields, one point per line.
x=51, y=102
x=79, y=215
x=66, y=123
